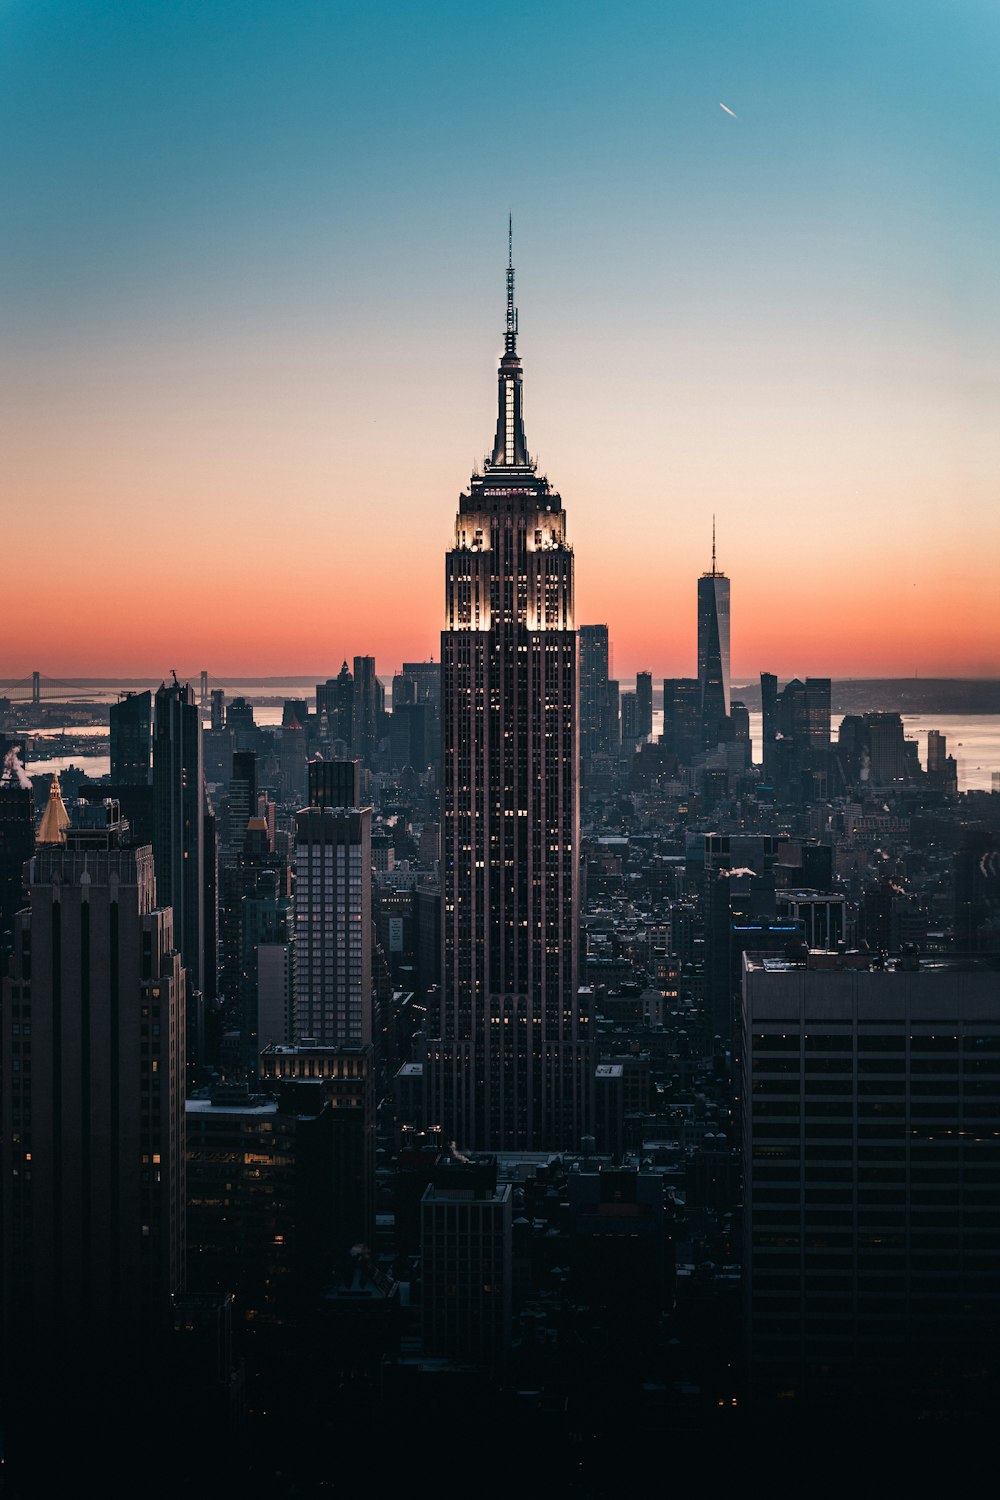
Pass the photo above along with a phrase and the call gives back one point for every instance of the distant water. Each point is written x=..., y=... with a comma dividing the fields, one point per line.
x=100, y=765
x=83, y=693
x=973, y=739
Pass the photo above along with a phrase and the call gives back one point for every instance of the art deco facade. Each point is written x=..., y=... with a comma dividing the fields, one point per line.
x=510, y=1067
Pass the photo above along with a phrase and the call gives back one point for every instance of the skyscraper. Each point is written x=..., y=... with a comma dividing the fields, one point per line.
x=333, y=925
x=631, y=733
x=769, y=721
x=713, y=650
x=886, y=742
x=796, y=735
x=595, y=735
x=417, y=737
x=17, y=842
x=681, y=717
x=644, y=705
x=368, y=707
x=465, y=1251
x=335, y=706
x=241, y=803
x=870, y=1157
x=131, y=720
x=178, y=837
x=92, y=1183
x=510, y=1065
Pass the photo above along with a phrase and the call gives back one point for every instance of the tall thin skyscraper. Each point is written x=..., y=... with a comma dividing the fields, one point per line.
x=511, y=1065
x=369, y=703
x=644, y=705
x=178, y=838
x=630, y=724
x=713, y=650
x=595, y=735
x=17, y=841
x=937, y=750
x=769, y=721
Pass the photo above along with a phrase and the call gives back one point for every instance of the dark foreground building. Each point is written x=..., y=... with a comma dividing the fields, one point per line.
x=871, y=1160
x=17, y=840
x=93, y=1103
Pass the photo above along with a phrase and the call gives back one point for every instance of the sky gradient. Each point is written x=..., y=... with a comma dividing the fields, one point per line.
x=252, y=258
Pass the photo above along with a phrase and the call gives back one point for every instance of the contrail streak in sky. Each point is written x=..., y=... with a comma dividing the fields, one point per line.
x=729, y=111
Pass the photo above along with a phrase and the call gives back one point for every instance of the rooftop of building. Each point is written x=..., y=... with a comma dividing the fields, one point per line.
x=253, y=1104
x=788, y=893
x=855, y=959
x=307, y=1047
x=366, y=1285
x=466, y=1191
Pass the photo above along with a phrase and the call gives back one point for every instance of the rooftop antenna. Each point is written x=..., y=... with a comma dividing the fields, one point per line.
x=713, y=546
x=510, y=340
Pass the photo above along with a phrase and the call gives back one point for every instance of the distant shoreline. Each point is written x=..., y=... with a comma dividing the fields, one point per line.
x=907, y=695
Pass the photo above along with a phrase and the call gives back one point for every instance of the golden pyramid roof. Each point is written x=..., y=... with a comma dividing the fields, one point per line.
x=55, y=818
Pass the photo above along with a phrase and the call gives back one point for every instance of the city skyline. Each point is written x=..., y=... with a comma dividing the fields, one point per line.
x=563, y=1002
x=249, y=308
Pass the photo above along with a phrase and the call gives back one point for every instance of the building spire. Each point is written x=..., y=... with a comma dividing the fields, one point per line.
x=509, y=448
x=55, y=818
x=713, y=546
x=510, y=337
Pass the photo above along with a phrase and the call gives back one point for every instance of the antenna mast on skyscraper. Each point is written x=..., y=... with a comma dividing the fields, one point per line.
x=510, y=341
x=713, y=546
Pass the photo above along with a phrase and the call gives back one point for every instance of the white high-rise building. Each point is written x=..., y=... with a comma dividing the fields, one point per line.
x=333, y=925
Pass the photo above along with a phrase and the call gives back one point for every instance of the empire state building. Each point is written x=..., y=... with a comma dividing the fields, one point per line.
x=511, y=1066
